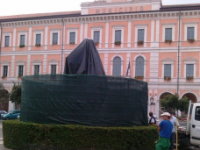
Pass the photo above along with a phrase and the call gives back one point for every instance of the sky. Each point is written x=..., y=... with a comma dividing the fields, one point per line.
x=16, y=7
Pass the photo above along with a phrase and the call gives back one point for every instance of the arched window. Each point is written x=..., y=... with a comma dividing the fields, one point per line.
x=141, y=8
x=117, y=66
x=139, y=69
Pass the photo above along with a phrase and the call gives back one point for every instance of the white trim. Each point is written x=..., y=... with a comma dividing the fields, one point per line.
x=107, y=35
x=51, y=36
x=22, y=33
x=81, y=32
x=129, y=33
x=38, y=32
x=14, y=39
x=100, y=34
x=173, y=31
x=122, y=64
x=188, y=61
x=195, y=29
x=137, y=27
x=30, y=38
x=114, y=28
x=46, y=37
x=4, y=38
x=69, y=30
x=145, y=65
x=152, y=32
x=86, y=31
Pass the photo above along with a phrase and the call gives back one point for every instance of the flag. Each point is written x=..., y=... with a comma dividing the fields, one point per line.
x=128, y=69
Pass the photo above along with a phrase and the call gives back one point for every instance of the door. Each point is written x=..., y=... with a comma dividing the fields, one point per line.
x=189, y=117
x=195, y=125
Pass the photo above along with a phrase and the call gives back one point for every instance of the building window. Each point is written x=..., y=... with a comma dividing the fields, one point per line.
x=96, y=36
x=168, y=34
x=118, y=35
x=5, y=71
x=36, y=69
x=167, y=71
x=72, y=37
x=20, y=70
x=38, y=39
x=22, y=40
x=117, y=66
x=7, y=39
x=53, y=69
x=141, y=35
x=139, y=69
x=190, y=33
x=55, y=39
x=189, y=71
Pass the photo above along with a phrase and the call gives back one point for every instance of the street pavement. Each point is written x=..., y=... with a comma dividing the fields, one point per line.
x=1, y=138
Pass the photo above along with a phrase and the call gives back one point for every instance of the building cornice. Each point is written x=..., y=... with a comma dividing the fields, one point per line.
x=105, y=18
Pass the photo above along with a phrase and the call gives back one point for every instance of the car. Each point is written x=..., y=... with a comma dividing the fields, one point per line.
x=2, y=112
x=13, y=114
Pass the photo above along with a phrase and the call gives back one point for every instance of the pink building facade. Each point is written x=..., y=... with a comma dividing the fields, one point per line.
x=162, y=44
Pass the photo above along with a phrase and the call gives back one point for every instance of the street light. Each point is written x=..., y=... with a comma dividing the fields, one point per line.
x=152, y=101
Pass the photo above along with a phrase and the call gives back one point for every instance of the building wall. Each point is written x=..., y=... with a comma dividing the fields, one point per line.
x=155, y=51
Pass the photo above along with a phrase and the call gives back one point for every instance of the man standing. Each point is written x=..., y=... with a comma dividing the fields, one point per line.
x=175, y=124
x=152, y=119
x=165, y=130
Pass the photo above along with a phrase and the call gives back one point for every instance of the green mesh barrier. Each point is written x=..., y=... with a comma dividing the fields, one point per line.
x=84, y=99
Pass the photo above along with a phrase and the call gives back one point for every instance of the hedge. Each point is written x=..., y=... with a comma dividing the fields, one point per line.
x=24, y=136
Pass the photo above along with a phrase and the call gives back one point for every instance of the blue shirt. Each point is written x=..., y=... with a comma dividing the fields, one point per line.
x=166, y=129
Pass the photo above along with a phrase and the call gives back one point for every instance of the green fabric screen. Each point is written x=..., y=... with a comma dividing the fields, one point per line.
x=84, y=100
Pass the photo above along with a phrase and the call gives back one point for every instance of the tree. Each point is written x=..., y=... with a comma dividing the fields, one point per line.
x=4, y=95
x=183, y=104
x=15, y=95
x=170, y=102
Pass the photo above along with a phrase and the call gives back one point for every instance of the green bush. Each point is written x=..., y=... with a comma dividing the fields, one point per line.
x=23, y=135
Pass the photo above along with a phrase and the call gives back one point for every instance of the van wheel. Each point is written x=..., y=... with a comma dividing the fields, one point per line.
x=7, y=118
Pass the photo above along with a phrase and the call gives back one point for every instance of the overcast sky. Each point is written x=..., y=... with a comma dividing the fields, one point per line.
x=16, y=7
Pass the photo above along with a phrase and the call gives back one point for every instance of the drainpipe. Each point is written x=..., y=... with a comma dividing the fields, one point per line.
x=0, y=39
x=179, y=37
x=63, y=46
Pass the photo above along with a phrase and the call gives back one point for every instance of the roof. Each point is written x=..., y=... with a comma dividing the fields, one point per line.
x=39, y=16
x=181, y=7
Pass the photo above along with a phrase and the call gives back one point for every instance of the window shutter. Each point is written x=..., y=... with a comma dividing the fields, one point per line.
x=38, y=38
x=5, y=71
x=140, y=34
x=190, y=70
x=190, y=33
x=168, y=33
x=72, y=37
x=117, y=35
x=55, y=38
x=96, y=36
x=22, y=39
x=117, y=66
x=139, y=69
x=7, y=38
x=167, y=70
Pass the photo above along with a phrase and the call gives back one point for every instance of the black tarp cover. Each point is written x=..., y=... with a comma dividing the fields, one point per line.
x=84, y=59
